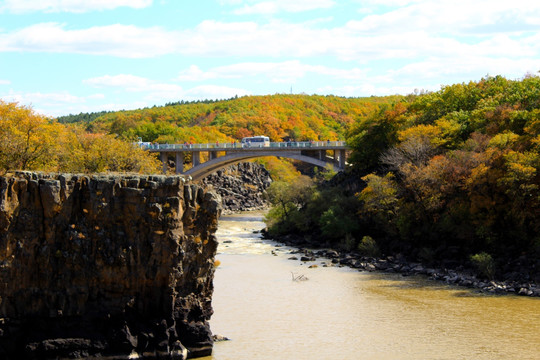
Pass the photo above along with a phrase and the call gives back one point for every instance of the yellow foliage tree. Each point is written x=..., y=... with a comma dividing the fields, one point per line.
x=102, y=153
x=27, y=140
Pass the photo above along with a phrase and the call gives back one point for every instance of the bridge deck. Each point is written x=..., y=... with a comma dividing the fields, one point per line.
x=275, y=146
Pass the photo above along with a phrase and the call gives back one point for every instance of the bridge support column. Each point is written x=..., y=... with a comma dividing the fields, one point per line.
x=196, y=158
x=179, y=162
x=164, y=157
x=322, y=154
x=213, y=155
x=342, y=159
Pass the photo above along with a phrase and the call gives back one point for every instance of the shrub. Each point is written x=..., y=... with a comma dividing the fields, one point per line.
x=485, y=264
x=426, y=255
x=349, y=243
x=368, y=247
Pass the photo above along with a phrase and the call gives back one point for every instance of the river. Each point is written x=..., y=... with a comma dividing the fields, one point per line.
x=339, y=313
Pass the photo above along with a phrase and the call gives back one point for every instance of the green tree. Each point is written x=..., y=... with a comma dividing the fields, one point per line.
x=371, y=136
x=287, y=200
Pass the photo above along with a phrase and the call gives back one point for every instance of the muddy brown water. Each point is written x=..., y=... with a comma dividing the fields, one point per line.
x=340, y=313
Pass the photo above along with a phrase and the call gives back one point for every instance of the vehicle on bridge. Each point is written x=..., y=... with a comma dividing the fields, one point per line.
x=142, y=144
x=256, y=141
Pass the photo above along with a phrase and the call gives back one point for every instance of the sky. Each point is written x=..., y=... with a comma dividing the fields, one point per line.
x=64, y=57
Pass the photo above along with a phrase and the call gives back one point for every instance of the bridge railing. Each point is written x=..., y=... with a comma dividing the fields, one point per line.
x=237, y=145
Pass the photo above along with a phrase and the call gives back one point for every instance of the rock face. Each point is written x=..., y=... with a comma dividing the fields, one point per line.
x=240, y=186
x=105, y=266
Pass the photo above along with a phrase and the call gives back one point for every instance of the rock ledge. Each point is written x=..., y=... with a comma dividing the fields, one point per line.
x=105, y=266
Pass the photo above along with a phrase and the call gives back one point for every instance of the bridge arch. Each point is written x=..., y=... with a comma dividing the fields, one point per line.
x=200, y=171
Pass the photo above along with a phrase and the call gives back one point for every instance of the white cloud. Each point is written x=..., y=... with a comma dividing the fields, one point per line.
x=114, y=40
x=279, y=72
x=126, y=81
x=276, y=6
x=457, y=17
x=4, y=82
x=471, y=68
x=133, y=83
x=194, y=73
x=230, y=2
x=24, y=98
x=64, y=103
x=96, y=96
x=159, y=93
x=153, y=92
x=52, y=104
x=204, y=92
x=273, y=39
x=75, y=6
x=392, y=35
x=432, y=73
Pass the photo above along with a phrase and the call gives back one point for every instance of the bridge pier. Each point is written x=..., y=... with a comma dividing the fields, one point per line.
x=196, y=158
x=342, y=158
x=164, y=159
x=179, y=166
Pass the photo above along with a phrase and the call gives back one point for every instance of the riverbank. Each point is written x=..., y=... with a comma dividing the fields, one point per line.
x=399, y=264
x=242, y=187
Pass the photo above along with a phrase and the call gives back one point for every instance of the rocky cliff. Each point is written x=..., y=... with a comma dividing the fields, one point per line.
x=105, y=266
x=240, y=186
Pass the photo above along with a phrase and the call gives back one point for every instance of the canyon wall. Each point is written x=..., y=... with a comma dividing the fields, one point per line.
x=105, y=266
x=241, y=186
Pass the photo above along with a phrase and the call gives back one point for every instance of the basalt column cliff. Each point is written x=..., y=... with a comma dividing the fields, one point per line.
x=105, y=266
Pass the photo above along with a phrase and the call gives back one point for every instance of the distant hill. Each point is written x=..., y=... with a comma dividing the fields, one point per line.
x=281, y=117
x=82, y=117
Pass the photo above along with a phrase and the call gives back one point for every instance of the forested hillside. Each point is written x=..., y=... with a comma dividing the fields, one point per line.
x=449, y=174
x=281, y=117
x=102, y=141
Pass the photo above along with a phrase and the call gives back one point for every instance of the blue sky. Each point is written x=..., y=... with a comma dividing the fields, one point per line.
x=72, y=56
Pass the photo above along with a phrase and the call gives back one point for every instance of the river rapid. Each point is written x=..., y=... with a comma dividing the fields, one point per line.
x=340, y=313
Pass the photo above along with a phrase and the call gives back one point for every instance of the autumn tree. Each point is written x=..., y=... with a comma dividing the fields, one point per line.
x=102, y=153
x=28, y=141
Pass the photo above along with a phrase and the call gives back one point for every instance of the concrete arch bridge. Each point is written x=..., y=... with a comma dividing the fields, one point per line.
x=220, y=155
